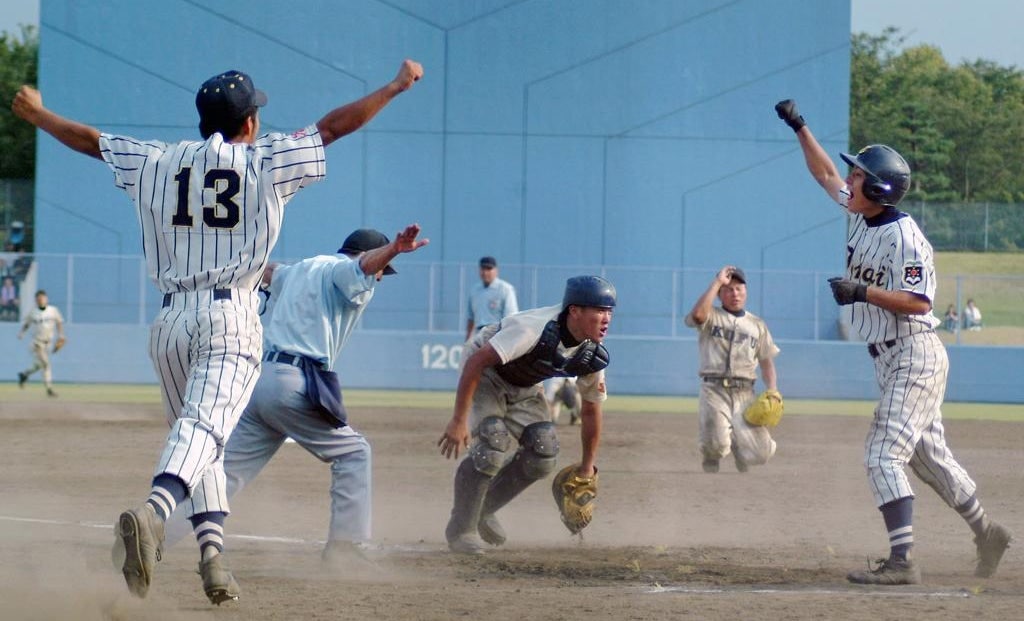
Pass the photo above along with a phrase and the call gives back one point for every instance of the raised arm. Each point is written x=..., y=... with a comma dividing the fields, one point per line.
x=28, y=105
x=820, y=165
x=702, y=308
x=377, y=259
x=350, y=117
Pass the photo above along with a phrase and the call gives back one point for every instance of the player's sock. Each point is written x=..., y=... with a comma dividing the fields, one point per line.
x=168, y=490
x=899, y=517
x=974, y=514
x=209, y=530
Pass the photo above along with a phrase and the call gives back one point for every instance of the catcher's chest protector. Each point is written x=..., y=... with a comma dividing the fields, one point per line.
x=544, y=361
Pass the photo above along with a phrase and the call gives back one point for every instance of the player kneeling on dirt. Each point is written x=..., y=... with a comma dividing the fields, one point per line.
x=733, y=343
x=500, y=385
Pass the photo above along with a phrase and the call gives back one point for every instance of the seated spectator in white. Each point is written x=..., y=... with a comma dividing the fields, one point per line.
x=8, y=300
x=951, y=320
x=972, y=316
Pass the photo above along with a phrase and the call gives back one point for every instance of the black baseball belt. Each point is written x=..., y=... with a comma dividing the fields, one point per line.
x=875, y=348
x=218, y=294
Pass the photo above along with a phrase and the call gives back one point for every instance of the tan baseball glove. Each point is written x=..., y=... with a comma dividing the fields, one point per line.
x=61, y=342
x=766, y=410
x=575, y=497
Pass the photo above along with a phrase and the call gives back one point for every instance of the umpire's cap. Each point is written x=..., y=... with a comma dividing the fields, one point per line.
x=589, y=291
x=227, y=96
x=363, y=240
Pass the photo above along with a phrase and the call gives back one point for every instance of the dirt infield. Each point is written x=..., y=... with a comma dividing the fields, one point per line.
x=668, y=541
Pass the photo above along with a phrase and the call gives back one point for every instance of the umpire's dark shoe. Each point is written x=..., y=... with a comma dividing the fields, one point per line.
x=142, y=532
x=22, y=378
x=710, y=465
x=218, y=582
x=889, y=571
x=991, y=547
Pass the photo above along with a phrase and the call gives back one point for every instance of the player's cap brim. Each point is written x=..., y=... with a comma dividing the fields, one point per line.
x=259, y=98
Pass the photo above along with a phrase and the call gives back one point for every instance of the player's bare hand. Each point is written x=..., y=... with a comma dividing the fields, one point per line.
x=725, y=275
x=406, y=240
x=454, y=439
x=410, y=71
x=27, y=102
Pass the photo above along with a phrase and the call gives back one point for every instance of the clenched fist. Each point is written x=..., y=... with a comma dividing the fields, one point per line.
x=788, y=112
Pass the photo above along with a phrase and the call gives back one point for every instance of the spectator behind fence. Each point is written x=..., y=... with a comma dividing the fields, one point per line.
x=8, y=300
x=5, y=270
x=951, y=320
x=972, y=316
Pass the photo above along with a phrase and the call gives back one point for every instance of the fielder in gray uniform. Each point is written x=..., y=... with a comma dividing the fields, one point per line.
x=312, y=309
x=490, y=300
x=500, y=404
x=47, y=326
x=733, y=343
x=210, y=212
x=890, y=286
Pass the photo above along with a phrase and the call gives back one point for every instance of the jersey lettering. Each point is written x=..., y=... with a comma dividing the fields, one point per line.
x=225, y=213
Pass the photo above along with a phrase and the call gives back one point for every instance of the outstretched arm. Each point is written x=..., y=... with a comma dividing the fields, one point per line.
x=377, y=259
x=591, y=418
x=456, y=433
x=350, y=117
x=28, y=105
x=820, y=165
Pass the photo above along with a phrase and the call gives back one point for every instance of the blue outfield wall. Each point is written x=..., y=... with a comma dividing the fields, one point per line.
x=640, y=365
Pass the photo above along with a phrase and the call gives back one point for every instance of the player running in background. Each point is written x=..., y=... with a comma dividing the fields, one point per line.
x=733, y=343
x=890, y=285
x=210, y=213
x=46, y=323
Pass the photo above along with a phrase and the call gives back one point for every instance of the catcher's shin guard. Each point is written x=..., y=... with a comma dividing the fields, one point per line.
x=470, y=489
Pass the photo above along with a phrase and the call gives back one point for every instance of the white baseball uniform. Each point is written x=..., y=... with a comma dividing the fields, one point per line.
x=891, y=252
x=210, y=213
x=45, y=325
x=731, y=346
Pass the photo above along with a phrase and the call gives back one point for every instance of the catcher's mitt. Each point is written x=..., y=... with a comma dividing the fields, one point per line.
x=61, y=342
x=575, y=497
x=765, y=410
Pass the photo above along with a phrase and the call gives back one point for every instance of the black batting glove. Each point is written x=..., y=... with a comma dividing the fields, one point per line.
x=787, y=111
x=847, y=291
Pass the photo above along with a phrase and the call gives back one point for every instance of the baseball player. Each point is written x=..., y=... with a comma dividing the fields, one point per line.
x=562, y=391
x=46, y=322
x=504, y=366
x=490, y=300
x=313, y=307
x=733, y=343
x=210, y=213
x=890, y=286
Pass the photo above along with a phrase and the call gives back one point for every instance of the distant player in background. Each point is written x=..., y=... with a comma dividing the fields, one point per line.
x=733, y=344
x=890, y=286
x=561, y=392
x=47, y=326
x=210, y=213
x=500, y=406
x=490, y=300
x=313, y=307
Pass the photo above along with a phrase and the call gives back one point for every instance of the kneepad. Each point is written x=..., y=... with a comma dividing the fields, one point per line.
x=539, y=449
x=491, y=446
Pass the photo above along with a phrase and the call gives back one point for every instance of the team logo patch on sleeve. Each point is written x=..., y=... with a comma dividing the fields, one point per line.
x=913, y=273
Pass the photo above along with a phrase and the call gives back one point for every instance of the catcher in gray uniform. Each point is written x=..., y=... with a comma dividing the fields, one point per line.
x=500, y=383
x=733, y=343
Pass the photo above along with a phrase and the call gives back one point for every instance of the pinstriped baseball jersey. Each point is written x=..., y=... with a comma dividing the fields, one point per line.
x=891, y=252
x=211, y=211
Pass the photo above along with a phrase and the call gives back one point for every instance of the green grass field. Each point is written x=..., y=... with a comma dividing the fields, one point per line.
x=996, y=282
x=443, y=401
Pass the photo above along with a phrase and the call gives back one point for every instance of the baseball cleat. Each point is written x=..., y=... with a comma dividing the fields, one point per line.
x=465, y=544
x=218, y=583
x=50, y=392
x=143, y=535
x=710, y=465
x=22, y=378
x=888, y=571
x=991, y=547
x=491, y=530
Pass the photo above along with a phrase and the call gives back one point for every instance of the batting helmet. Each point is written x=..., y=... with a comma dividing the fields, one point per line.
x=888, y=175
x=589, y=291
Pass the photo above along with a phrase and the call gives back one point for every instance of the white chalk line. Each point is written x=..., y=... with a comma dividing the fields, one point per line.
x=959, y=593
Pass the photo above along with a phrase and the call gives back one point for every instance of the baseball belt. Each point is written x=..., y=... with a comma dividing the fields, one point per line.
x=729, y=382
x=874, y=349
x=218, y=294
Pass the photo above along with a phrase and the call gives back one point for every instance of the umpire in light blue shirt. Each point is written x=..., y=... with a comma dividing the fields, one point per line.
x=312, y=308
x=491, y=300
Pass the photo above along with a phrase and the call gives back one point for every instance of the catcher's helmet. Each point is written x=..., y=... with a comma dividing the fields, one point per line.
x=888, y=175
x=589, y=291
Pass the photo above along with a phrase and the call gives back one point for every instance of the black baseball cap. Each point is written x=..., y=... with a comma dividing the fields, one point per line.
x=228, y=96
x=488, y=262
x=363, y=240
x=738, y=274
